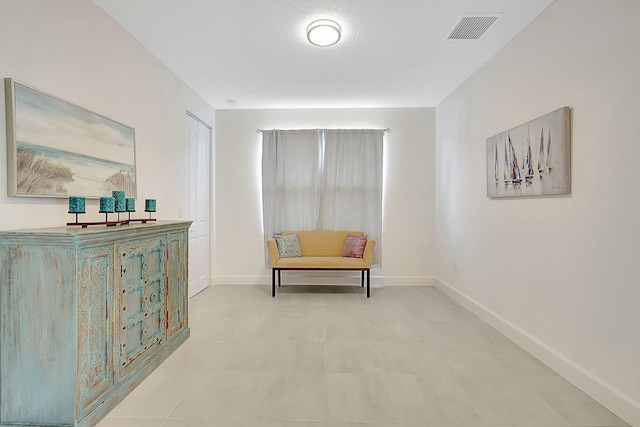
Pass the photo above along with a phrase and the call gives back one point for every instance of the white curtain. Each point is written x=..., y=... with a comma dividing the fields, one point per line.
x=291, y=162
x=323, y=180
x=352, y=183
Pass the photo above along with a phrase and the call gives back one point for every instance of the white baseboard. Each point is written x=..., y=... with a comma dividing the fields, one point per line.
x=606, y=394
x=404, y=281
x=325, y=278
x=240, y=280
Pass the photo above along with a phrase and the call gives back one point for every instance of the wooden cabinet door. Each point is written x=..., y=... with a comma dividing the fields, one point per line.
x=141, y=300
x=176, y=283
x=94, y=337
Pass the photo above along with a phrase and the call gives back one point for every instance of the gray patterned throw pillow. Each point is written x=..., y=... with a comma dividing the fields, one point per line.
x=288, y=246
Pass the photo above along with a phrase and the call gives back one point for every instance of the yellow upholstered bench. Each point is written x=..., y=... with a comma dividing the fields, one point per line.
x=320, y=250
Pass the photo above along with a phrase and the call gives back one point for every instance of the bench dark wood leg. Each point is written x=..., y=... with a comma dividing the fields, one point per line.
x=362, y=280
x=273, y=282
x=368, y=283
x=279, y=279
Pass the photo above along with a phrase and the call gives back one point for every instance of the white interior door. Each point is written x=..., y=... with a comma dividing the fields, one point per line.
x=199, y=140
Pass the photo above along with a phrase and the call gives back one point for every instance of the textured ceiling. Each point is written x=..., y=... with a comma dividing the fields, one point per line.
x=254, y=53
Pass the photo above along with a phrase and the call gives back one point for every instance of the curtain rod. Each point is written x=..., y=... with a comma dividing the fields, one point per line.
x=384, y=130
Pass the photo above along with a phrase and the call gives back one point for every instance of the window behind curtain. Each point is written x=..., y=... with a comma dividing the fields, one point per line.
x=323, y=180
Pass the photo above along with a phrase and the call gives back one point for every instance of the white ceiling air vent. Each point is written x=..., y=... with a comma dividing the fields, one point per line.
x=471, y=27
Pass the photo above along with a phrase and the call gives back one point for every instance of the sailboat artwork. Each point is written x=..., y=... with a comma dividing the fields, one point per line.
x=528, y=168
x=507, y=166
x=516, y=178
x=542, y=161
x=514, y=169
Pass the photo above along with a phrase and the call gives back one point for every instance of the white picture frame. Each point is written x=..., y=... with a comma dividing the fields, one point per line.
x=533, y=159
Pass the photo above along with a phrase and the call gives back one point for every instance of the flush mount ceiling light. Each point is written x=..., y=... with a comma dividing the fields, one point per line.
x=324, y=32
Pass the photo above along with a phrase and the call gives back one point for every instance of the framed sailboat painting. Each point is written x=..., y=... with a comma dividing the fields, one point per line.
x=533, y=159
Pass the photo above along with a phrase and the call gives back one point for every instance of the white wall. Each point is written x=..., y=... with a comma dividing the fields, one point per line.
x=75, y=51
x=558, y=274
x=408, y=255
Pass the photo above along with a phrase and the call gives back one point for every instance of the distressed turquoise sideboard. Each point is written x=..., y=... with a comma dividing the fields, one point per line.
x=85, y=316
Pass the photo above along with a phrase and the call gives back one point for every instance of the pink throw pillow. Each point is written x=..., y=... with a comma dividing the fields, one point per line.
x=354, y=246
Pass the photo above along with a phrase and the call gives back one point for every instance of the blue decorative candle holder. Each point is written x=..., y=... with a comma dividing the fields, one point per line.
x=77, y=205
x=130, y=206
x=119, y=202
x=107, y=205
x=150, y=206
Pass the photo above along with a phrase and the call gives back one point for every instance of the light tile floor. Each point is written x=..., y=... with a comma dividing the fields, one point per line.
x=329, y=357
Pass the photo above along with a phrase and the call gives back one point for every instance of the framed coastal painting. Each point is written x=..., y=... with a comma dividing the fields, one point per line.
x=533, y=159
x=58, y=149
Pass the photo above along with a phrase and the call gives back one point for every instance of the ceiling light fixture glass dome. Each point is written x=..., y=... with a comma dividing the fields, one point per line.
x=324, y=32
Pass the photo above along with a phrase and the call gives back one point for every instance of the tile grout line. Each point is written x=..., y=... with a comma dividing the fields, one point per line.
x=182, y=397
